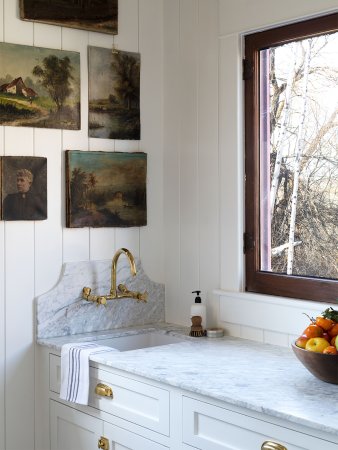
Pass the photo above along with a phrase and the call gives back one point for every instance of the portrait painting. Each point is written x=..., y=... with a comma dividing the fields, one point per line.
x=91, y=15
x=23, y=188
x=114, y=94
x=39, y=87
x=105, y=189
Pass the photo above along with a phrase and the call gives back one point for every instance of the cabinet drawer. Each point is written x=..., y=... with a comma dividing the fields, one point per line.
x=132, y=400
x=210, y=427
x=137, y=402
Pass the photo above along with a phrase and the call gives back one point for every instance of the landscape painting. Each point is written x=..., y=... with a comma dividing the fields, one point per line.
x=39, y=87
x=114, y=94
x=91, y=15
x=23, y=183
x=105, y=189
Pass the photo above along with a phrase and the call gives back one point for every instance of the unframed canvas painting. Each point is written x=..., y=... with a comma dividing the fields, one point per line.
x=92, y=15
x=114, y=94
x=23, y=182
x=39, y=87
x=105, y=189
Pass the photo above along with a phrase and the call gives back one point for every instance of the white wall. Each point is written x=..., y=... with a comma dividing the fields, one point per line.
x=203, y=177
x=191, y=178
x=31, y=254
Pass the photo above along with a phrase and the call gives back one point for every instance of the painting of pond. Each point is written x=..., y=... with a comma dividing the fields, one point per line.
x=105, y=189
x=114, y=94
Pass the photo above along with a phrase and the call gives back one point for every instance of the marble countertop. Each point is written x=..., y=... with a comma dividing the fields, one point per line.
x=261, y=377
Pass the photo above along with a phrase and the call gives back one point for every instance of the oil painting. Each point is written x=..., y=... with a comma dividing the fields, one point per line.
x=91, y=15
x=39, y=87
x=23, y=188
x=105, y=189
x=114, y=94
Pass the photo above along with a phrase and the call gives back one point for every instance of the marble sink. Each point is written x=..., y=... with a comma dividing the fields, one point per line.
x=138, y=341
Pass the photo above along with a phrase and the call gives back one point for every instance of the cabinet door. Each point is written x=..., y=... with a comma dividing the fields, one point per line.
x=120, y=439
x=71, y=429
x=209, y=427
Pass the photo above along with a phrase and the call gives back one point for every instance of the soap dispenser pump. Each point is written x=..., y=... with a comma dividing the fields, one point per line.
x=198, y=309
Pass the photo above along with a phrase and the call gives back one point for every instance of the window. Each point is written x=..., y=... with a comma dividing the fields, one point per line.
x=291, y=149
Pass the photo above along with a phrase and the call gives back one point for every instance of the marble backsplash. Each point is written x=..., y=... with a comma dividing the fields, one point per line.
x=62, y=311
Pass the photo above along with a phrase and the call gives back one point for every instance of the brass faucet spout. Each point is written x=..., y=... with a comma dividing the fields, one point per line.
x=121, y=291
x=113, y=290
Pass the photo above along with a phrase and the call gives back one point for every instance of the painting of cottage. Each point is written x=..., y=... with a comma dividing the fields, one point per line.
x=39, y=87
x=105, y=189
x=91, y=15
x=114, y=94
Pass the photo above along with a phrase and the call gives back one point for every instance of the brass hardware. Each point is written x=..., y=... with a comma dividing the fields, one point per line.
x=269, y=445
x=121, y=291
x=103, y=443
x=103, y=390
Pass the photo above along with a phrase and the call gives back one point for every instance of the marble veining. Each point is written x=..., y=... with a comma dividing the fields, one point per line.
x=260, y=377
x=62, y=311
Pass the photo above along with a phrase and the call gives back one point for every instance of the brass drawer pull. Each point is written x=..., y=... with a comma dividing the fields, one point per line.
x=269, y=445
x=103, y=443
x=104, y=390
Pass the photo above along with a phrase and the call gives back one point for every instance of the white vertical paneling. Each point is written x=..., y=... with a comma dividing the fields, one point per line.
x=2, y=288
x=244, y=15
x=231, y=164
x=128, y=40
x=171, y=142
x=208, y=154
x=76, y=241
x=16, y=31
x=19, y=278
x=48, y=252
x=151, y=49
x=189, y=164
x=2, y=301
x=191, y=209
x=19, y=292
x=47, y=36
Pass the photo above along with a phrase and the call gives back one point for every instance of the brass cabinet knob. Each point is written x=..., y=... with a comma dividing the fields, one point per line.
x=103, y=390
x=103, y=443
x=269, y=445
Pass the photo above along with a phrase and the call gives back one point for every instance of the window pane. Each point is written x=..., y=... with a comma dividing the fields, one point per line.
x=299, y=158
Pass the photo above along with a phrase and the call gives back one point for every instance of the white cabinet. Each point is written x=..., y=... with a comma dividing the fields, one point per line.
x=71, y=429
x=134, y=413
x=120, y=439
x=210, y=427
x=137, y=402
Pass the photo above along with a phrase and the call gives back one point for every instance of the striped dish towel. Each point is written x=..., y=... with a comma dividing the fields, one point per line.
x=75, y=370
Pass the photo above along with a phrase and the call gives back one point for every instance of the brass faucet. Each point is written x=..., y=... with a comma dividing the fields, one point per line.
x=121, y=291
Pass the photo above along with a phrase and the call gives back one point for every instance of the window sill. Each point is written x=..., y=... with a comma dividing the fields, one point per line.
x=265, y=312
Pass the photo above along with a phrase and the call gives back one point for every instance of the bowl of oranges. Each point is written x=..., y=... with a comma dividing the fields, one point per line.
x=317, y=347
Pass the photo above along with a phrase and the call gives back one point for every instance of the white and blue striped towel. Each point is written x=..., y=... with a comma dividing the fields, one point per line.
x=75, y=370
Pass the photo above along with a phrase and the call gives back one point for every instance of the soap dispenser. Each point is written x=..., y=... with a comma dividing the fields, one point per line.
x=198, y=309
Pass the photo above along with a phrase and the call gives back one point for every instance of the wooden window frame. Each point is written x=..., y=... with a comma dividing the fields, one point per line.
x=307, y=288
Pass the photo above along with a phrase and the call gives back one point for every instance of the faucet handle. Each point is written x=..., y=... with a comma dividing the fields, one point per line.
x=122, y=288
x=86, y=292
x=142, y=297
x=101, y=300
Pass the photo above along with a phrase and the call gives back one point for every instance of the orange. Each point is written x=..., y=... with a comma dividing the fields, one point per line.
x=313, y=331
x=333, y=331
x=330, y=350
x=324, y=323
